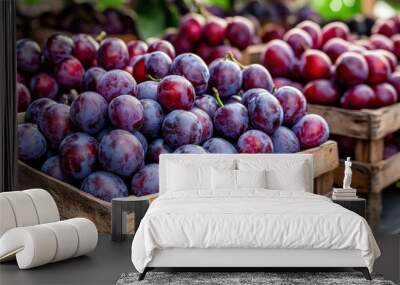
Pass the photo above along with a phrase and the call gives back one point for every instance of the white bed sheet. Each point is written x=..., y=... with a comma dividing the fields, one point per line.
x=252, y=218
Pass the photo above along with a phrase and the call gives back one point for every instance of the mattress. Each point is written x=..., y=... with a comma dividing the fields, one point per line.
x=251, y=219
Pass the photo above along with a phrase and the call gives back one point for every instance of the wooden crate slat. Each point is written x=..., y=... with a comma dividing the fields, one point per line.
x=70, y=200
x=360, y=124
x=326, y=157
x=372, y=177
x=252, y=54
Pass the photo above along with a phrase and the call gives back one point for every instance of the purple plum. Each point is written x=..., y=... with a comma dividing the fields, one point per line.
x=104, y=185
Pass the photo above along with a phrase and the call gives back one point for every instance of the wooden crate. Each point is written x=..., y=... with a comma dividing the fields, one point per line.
x=252, y=54
x=369, y=127
x=371, y=173
x=74, y=203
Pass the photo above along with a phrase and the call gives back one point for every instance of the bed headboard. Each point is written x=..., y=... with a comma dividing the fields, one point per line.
x=281, y=161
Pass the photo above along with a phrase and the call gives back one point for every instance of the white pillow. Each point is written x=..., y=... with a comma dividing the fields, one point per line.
x=183, y=177
x=223, y=179
x=281, y=174
x=297, y=180
x=251, y=178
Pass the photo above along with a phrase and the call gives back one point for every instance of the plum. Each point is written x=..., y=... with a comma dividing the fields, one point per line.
x=58, y=48
x=293, y=103
x=69, y=73
x=206, y=123
x=218, y=145
x=334, y=30
x=256, y=76
x=266, y=113
x=222, y=51
x=378, y=66
x=395, y=81
x=104, y=185
x=191, y=27
x=32, y=114
x=137, y=65
x=322, y=92
x=91, y=78
x=379, y=41
x=315, y=64
x=120, y=152
x=240, y=32
x=145, y=181
x=29, y=55
x=156, y=148
x=190, y=148
x=285, y=141
x=44, y=85
x=54, y=123
x=358, y=97
x=313, y=30
x=278, y=57
x=52, y=168
x=136, y=47
x=194, y=69
x=89, y=112
x=125, y=112
x=225, y=77
x=23, y=97
x=231, y=120
x=147, y=90
x=142, y=139
x=351, y=69
x=311, y=130
x=250, y=94
x=385, y=27
x=214, y=30
x=115, y=83
x=181, y=127
x=207, y=103
x=164, y=46
x=31, y=143
x=153, y=116
x=254, y=141
x=335, y=47
x=385, y=94
x=85, y=49
x=299, y=40
x=175, y=92
x=157, y=65
x=78, y=155
x=112, y=54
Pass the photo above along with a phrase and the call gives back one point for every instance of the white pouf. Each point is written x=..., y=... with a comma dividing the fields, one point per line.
x=40, y=244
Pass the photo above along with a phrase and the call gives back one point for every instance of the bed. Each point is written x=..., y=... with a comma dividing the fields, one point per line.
x=247, y=211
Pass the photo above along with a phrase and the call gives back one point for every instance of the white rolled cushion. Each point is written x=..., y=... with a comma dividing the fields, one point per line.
x=251, y=178
x=67, y=240
x=87, y=235
x=7, y=218
x=33, y=246
x=40, y=244
x=45, y=205
x=23, y=208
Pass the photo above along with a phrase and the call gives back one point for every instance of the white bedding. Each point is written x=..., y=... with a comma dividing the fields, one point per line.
x=252, y=218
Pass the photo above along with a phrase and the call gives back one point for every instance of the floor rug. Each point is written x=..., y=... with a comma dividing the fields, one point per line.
x=244, y=278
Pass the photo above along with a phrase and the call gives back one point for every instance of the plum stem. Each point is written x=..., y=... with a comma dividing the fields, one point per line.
x=101, y=36
x=152, y=78
x=231, y=57
x=217, y=97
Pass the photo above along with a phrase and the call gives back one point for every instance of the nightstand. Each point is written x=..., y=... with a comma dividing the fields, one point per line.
x=356, y=205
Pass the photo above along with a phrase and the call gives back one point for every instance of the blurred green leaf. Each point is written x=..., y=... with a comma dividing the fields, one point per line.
x=337, y=9
x=151, y=18
x=29, y=2
x=104, y=4
x=224, y=4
